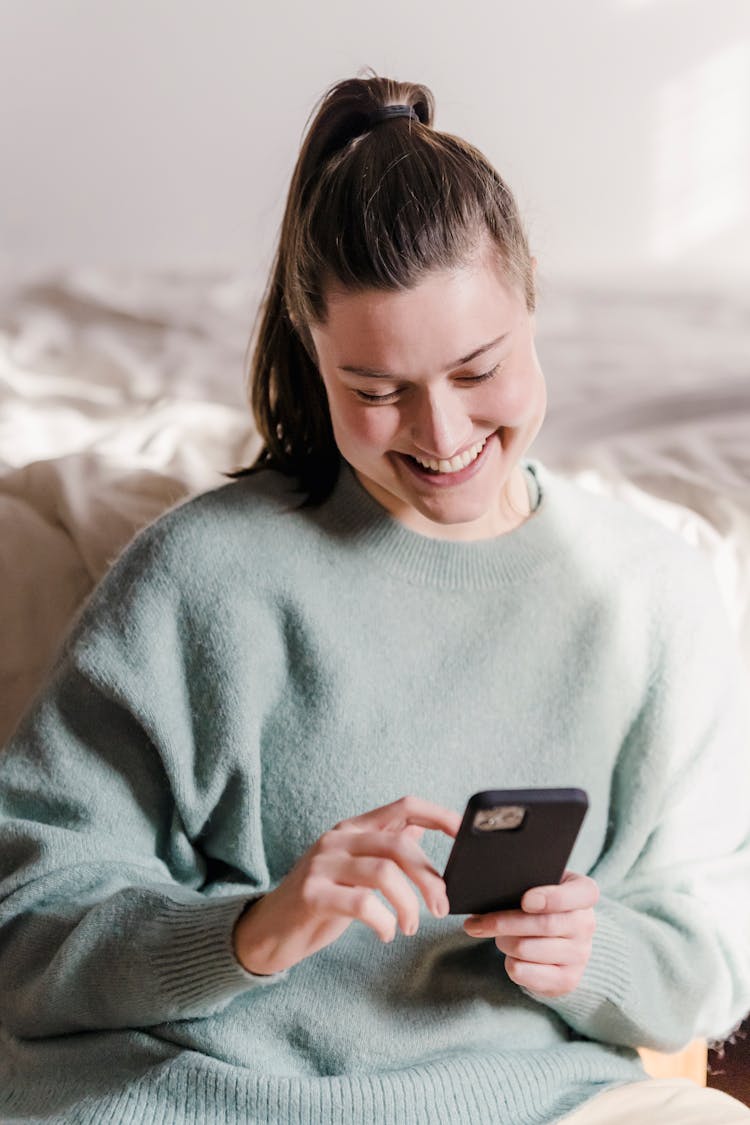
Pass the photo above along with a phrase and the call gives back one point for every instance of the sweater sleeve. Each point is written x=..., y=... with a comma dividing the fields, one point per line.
x=108, y=915
x=671, y=951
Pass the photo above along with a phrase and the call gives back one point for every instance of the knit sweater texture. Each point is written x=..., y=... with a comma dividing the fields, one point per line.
x=249, y=674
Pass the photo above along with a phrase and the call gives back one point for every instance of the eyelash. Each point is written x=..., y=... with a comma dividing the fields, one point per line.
x=389, y=397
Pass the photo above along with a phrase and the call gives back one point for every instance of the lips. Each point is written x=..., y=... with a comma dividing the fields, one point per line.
x=447, y=480
x=457, y=462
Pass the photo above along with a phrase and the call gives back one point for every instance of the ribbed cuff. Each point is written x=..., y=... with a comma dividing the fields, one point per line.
x=196, y=963
x=607, y=978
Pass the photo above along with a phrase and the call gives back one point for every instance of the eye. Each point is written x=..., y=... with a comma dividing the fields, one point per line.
x=394, y=394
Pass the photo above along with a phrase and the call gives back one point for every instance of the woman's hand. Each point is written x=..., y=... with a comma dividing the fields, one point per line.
x=547, y=943
x=334, y=882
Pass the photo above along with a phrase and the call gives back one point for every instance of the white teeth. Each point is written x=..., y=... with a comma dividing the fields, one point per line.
x=456, y=463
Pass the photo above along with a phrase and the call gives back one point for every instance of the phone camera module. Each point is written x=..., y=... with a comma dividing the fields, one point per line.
x=500, y=818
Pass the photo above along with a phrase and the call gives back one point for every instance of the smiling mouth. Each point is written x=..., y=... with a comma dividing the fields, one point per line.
x=455, y=464
x=463, y=469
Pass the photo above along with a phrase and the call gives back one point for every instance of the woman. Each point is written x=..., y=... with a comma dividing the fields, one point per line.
x=225, y=818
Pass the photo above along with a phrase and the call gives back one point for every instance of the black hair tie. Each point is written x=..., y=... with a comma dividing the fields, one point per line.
x=383, y=113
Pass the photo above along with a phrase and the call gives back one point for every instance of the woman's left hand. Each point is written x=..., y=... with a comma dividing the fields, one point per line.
x=547, y=943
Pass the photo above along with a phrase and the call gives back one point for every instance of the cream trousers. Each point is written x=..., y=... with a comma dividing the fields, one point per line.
x=659, y=1101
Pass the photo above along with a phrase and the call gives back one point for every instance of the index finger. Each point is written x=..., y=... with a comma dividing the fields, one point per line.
x=403, y=813
x=573, y=892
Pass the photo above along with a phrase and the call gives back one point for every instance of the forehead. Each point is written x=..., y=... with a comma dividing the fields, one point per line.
x=448, y=314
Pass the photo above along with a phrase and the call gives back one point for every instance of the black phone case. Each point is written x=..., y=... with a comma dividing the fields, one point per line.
x=492, y=870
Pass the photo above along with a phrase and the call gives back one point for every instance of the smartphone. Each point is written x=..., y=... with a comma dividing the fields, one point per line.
x=509, y=841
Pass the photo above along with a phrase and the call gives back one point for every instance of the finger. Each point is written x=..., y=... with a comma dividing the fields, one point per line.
x=517, y=923
x=358, y=903
x=575, y=892
x=377, y=873
x=547, y=980
x=406, y=811
x=543, y=951
x=410, y=858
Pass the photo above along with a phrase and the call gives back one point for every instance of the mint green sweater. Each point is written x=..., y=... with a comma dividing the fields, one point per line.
x=246, y=676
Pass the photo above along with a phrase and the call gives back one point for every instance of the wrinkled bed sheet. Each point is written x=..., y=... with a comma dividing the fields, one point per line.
x=120, y=395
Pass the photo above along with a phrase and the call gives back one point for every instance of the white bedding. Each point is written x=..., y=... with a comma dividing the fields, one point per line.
x=120, y=395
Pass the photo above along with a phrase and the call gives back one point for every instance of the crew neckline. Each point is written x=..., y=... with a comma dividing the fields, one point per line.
x=364, y=524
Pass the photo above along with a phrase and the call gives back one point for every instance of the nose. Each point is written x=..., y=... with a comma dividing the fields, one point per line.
x=439, y=426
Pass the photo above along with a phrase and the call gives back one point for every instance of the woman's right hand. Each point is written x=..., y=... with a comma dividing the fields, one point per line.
x=332, y=885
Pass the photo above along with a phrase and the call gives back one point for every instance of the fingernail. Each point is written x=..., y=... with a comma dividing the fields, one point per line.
x=534, y=901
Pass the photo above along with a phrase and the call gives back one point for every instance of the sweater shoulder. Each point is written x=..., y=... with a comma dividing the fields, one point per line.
x=611, y=533
x=191, y=558
x=248, y=514
x=643, y=570
x=251, y=501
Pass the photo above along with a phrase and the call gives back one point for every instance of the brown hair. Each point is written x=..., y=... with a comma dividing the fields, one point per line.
x=368, y=208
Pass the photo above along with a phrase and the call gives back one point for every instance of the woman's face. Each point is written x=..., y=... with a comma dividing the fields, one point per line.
x=434, y=399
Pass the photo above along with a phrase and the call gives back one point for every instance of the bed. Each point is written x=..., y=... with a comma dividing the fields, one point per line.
x=121, y=394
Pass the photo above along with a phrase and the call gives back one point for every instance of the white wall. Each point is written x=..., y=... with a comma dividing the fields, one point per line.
x=162, y=133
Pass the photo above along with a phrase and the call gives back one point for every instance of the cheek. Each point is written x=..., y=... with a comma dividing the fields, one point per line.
x=518, y=395
x=372, y=426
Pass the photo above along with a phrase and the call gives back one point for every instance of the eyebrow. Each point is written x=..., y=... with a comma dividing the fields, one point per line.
x=369, y=373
